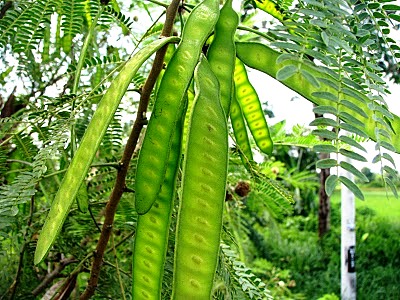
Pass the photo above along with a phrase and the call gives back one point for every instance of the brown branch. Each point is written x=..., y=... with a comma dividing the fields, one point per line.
x=53, y=275
x=81, y=265
x=7, y=5
x=324, y=207
x=10, y=107
x=119, y=186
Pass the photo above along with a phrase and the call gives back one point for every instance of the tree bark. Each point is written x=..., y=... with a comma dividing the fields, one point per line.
x=6, y=6
x=55, y=273
x=324, y=208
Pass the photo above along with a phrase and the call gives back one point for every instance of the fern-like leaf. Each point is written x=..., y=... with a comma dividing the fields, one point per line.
x=110, y=14
x=12, y=20
x=271, y=195
x=31, y=31
x=237, y=273
x=24, y=185
x=94, y=62
x=73, y=12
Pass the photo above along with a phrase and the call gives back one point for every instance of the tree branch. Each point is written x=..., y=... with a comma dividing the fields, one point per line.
x=119, y=186
x=6, y=6
x=53, y=275
x=78, y=269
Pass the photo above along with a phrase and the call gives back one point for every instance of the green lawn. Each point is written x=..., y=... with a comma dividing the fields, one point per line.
x=385, y=206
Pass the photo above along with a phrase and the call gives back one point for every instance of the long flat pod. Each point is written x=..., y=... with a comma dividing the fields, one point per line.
x=156, y=144
x=221, y=54
x=190, y=96
x=264, y=59
x=203, y=192
x=152, y=230
x=240, y=129
x=168, y=54
x=252, y=110
x=90, y=142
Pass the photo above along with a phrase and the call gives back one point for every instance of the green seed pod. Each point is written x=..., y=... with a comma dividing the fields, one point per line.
x=58, y=42
x=252, y=110
x=264, y=59
x=67, y=43
x=190, y=96
x=97, y=76
x=154, y=153
x=240, y=129
x=221, y=54
x=203, y=191
x=82, y=198
x=88, y=16
x=152, y=230
x=271, y=8
x=46, y=43
x=167, y=58
x=89, y=144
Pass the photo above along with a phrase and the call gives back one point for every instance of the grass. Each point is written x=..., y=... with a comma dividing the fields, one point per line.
x=385, y=205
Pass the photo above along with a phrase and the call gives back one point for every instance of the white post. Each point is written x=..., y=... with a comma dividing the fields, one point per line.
x=348, y=241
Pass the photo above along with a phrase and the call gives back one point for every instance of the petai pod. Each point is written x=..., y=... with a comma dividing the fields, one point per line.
x=90, y=142
x=264, y=59
x=82, y=198
x=240, y=129
x=152, y=230
x=190, y=97
x=154, y=153
x=203, y=191
x=272, y=8
x=221, y=54
x=252, y=110
x=168, y=54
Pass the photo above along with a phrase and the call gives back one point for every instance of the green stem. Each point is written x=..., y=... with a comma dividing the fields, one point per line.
x=339, y=93
x=159, y=3
x=45, y=194
x=85, y=47
x=242, y=256
x=255, y=31
x=114, y=165
x=79, y=68
x=19, y=161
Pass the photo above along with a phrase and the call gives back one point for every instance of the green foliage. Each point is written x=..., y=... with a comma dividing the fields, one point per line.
x=71, y=21
x=317, y=35
x=24, y=186
x=310, y=267
x=271, y=196
x=233, y=270
x=29, y=18
x=329, y=297
x=270, y=252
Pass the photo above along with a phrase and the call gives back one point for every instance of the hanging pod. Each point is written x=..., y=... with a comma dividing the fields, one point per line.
x=203, y=191
x=152, y=162
x=89, y=144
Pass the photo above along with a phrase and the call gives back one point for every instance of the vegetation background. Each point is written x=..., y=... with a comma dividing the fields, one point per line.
x=270, y=242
